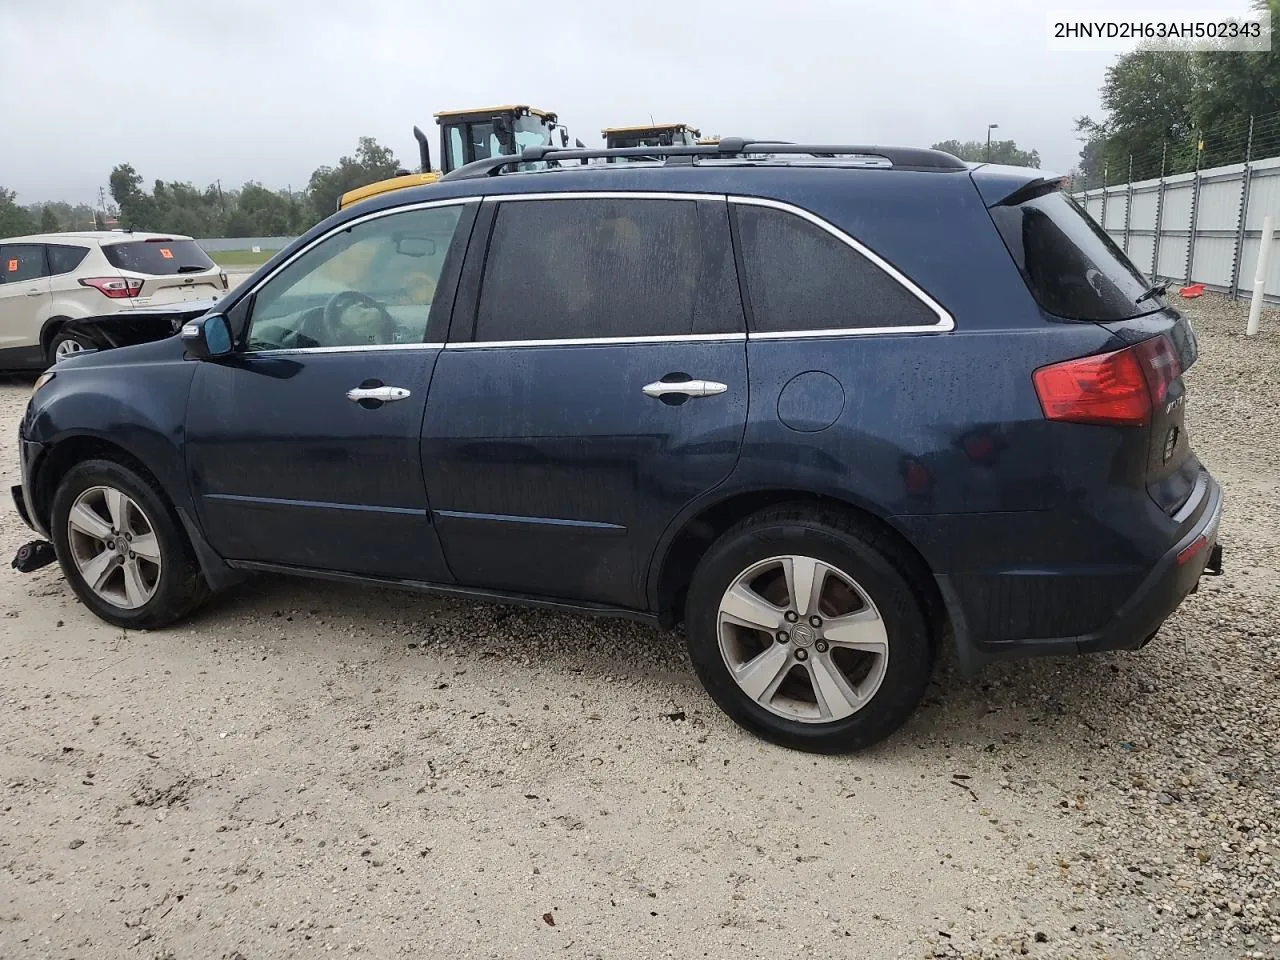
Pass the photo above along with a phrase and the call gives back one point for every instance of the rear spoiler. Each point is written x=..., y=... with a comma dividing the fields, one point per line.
x=1001, y=185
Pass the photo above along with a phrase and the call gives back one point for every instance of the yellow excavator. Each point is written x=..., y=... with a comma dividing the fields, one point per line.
x=467, y=135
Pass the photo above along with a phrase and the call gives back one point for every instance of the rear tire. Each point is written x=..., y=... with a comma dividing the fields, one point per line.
x=836, y=668
x=114, y=526
x=64, y=343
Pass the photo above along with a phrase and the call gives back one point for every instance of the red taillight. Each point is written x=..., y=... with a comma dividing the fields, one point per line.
x=1118, y=388
x=117, y=288
x=1160, y=364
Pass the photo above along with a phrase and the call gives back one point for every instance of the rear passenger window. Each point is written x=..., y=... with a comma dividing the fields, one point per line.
x=64, y=259
x=21, y=261
x=589, y=268
x=801, y=277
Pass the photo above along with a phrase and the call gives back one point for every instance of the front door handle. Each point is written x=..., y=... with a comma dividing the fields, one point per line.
x=381, y=394
x=34, y=293
x=687, y=388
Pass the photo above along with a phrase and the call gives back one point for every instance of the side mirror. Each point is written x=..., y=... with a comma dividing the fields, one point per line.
x=207, y=337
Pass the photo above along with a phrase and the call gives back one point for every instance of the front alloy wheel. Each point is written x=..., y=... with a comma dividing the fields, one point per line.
x=122, y=547
x=114, y=547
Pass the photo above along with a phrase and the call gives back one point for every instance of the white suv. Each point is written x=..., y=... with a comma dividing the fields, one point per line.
x=49, y=279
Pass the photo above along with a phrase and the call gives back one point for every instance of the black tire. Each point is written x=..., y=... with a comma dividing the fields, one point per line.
x=869, y=557
x=180, y=587
x=67, y=337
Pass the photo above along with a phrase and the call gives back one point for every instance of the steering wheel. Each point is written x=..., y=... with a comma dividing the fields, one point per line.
x=337, y=332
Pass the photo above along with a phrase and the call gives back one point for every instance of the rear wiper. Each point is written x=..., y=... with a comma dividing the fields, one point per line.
x=192, y=268
x=1155, y=290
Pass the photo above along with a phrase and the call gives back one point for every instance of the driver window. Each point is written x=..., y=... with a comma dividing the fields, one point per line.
x=370, y=285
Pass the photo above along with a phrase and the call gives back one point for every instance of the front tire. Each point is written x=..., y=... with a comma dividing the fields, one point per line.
x=804, y=628
x=121, y=547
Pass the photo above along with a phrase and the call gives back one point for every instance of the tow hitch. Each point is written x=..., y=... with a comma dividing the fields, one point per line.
x=34, y=555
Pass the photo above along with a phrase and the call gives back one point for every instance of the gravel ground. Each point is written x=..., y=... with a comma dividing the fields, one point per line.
x=309, y=768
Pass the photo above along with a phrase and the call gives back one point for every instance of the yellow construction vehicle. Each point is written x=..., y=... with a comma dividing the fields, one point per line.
x=467, y=135
x=653, y=135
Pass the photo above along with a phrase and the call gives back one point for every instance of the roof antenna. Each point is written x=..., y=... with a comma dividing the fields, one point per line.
x=651, y=119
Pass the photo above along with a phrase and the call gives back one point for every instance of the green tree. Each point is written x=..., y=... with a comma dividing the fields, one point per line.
x=1002, y=151
x=15, y=221
x=371, y=163
x=137, y=208
x=49, y=222
x=263, y=213
x=1234, y=85
x=1173, y=110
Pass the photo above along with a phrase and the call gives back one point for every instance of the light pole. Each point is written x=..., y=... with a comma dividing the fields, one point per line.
x=990, y=127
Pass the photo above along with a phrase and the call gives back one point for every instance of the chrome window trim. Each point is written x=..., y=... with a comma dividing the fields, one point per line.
x=945, y=324
x=595, y=341
x=315, y=242
x=358, y=348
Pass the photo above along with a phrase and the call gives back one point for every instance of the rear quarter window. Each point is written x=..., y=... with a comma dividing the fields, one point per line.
x=1073, y=269
x=160, y=258
x=64, y=258
x=802, y=277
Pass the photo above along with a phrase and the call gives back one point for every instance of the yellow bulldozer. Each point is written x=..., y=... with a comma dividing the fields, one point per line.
x=467, y=135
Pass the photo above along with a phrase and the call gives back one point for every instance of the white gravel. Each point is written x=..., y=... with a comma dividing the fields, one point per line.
x=309, y=768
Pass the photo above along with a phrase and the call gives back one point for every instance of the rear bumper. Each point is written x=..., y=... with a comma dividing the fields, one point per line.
x=1135, y=620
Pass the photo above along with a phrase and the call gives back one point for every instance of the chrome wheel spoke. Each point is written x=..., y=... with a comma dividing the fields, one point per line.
x=745, y=607
x=863, y=631
x=83, y=520
x=147, y=547
x=805, y=578
x=761, y=677
x=835, y=695
x=135, y=590
x=98, y=570
x=117, y=506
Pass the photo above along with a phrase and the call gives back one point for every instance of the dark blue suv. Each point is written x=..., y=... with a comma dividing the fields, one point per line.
x=828, y=407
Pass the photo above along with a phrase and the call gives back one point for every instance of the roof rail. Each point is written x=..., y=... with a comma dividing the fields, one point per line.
x=903, y=158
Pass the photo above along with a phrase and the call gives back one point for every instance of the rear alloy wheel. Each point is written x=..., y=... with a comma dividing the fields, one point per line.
x=67, y=344
x=121, y=547
x=804, y=628
x=803, y=639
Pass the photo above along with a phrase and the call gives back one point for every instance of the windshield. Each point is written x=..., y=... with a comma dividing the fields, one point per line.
x=1073, y=268
x=532, y=132
x=478, y=140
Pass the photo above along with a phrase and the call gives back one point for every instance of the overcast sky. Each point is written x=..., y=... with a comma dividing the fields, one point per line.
x=270, y=89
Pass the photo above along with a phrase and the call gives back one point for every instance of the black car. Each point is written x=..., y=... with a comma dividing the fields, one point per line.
x=828, y=407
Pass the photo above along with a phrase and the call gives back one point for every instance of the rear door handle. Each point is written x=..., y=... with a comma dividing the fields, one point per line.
x=34, y=293
x=382, y=394
x=687, y=388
